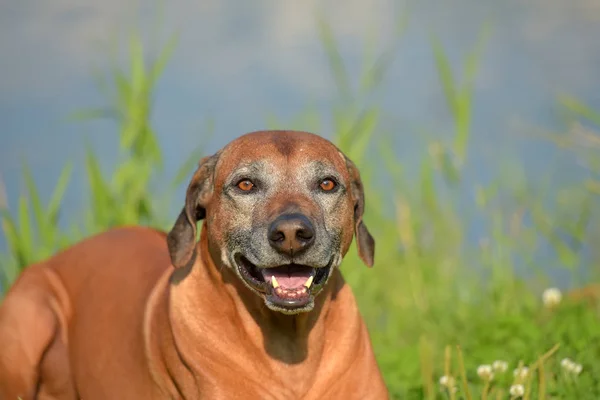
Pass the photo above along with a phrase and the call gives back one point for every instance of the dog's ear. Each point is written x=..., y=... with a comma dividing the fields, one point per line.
x=364, y=240
x=181, y=240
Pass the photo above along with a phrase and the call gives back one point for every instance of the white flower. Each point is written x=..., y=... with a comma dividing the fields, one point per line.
x=447, y=381
x=551, y=297
x=517, y=390
x=500, y=366
x=566, y=364
x=485, y=372
x=571, y=366
x=521, y=372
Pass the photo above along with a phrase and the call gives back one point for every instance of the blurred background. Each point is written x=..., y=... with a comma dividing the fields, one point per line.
x=475, y=124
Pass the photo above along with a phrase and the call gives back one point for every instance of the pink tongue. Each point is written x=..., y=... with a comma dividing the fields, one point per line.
x=288, y=277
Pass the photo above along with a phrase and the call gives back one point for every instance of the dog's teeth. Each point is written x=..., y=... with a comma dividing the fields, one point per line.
x=308, y=282
x=274, y=282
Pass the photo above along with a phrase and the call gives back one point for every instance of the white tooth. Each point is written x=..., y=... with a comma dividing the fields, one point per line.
x=274, y=282
x=308, y=282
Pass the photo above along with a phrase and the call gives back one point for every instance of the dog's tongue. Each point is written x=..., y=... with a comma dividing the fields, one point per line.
x=288, y=276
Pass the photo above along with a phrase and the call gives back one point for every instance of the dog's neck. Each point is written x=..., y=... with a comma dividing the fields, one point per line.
x=283, y=338
x=292, y=350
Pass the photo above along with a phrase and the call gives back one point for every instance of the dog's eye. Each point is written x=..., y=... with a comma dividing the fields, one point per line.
x=246, y=185
x=327, y=185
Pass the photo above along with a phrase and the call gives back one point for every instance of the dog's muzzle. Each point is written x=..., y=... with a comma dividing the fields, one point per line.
x=290, y=286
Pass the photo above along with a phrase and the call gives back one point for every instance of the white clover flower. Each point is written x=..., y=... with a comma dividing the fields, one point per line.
x=570, y=366
x=485, y=372
x=517, y=390
x=567, y=364
x=551, y=297
x=500, y=366
x=447, y=381
x=521, y=372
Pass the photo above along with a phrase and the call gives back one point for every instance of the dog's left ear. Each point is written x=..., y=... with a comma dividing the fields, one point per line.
x=181, y=240
x=364, y=240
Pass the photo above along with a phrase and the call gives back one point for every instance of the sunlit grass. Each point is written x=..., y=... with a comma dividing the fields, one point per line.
x=438, y=306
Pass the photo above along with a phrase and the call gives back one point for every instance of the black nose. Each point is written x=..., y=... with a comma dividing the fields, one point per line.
x=291, y=233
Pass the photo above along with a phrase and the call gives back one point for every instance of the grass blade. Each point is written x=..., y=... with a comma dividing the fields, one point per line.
x=463, y=373
x=579, y=108
x=12, y=237
x=445, y=75
x=26, y=232
x=58, y=193
x=36, y=204
x=162, y=59
x=100, y=192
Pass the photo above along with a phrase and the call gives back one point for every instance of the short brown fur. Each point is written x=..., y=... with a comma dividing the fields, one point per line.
x=111, y=318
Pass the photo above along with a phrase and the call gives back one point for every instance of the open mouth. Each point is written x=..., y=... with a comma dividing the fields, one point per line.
x=288, y=286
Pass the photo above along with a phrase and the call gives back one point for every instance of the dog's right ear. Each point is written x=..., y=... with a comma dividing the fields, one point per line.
x=364, y=240
x=181, y=240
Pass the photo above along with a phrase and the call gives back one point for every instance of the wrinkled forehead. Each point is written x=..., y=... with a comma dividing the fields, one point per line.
x=278, y=154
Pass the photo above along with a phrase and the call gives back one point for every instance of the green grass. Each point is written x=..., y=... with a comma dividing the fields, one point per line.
x=435, y=304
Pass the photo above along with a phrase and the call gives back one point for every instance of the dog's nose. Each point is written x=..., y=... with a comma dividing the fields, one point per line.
x=291, y=233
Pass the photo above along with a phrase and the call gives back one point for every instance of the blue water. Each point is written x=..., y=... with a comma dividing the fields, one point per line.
x=236, y=64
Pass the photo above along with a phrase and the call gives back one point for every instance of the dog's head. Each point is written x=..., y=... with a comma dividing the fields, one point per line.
x=281, y=209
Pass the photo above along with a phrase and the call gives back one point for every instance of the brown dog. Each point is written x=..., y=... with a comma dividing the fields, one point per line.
x=257, y=309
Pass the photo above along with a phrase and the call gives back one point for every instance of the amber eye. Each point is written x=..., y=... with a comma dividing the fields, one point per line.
x=245, y=185
x=327, y=185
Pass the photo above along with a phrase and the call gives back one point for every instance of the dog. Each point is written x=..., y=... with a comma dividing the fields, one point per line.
x=251, y=306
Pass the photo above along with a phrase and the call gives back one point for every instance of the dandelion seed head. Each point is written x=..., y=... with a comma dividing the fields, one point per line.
x=551, y=297
x=485, y=372
x=570, y=366
x=566, y=364
x=517, y=390
x=447, y=381
x=521, y=372
x=500, y=366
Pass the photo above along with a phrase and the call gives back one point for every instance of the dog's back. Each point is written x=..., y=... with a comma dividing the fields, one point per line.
x=44, y=337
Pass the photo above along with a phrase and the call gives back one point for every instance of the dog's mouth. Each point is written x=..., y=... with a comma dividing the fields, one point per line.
x=286, y=287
